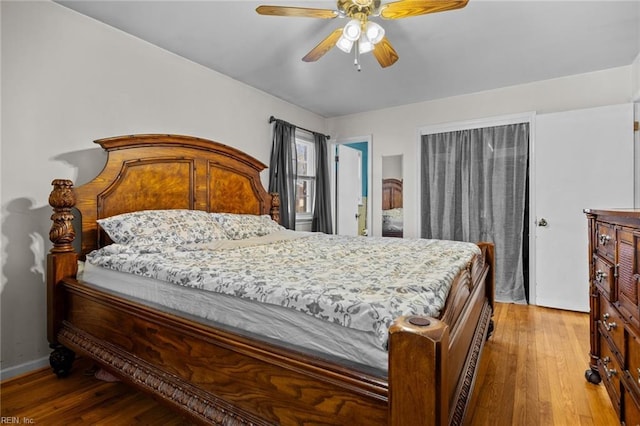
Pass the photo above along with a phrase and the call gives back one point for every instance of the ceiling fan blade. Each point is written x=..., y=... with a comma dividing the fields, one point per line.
x=407, y=8
x=323, y=47
x=302, y=12
x=385, y=53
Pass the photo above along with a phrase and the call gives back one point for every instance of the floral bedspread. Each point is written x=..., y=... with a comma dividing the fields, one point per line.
x=358, y=282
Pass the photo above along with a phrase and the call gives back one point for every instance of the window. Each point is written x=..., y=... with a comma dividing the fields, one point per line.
x=306, y=177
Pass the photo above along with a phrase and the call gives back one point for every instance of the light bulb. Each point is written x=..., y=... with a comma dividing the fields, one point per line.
x=364, y=45
x=352, y=31
x=344, y=44
x=374, y=32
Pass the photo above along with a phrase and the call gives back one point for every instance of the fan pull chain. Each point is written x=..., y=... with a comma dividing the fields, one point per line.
x=356, y=60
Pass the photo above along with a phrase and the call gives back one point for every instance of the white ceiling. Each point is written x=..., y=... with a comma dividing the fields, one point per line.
x=486, y=45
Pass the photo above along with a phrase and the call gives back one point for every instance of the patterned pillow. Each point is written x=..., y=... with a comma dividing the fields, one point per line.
x=163, y=227
x=241, y=226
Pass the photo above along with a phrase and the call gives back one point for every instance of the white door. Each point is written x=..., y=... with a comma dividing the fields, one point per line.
x=583, y=159
x=348, y=189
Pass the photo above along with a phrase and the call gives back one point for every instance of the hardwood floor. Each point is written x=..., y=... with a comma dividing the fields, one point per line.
x=531, y=373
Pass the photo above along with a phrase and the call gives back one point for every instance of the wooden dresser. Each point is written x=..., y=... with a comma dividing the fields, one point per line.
x=614, y=273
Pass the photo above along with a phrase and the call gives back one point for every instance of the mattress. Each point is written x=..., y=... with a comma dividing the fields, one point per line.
x=332, y=295
x=268, y=322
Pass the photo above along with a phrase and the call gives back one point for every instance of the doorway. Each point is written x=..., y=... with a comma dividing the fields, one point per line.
x=360, y=218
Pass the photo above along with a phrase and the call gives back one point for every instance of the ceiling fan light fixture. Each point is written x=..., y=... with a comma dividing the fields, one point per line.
x=374, y=32
x=352, y=31
x=344, y=44
x=359, y=12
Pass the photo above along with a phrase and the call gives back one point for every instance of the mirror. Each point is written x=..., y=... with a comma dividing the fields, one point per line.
x=392, y=214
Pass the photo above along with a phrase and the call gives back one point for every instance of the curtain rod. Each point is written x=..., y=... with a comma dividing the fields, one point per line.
x=272, y=119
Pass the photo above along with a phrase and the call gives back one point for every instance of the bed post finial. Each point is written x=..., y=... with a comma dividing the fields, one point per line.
x=275, y=206
x=62, y=199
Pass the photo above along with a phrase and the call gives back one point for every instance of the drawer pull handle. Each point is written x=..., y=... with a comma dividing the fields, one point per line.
x=604, y=239
x=608, y=325
x=610, y=371
x=638, y=371
x=600, y=276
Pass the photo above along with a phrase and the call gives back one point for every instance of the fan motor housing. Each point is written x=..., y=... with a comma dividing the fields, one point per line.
x=354, y=8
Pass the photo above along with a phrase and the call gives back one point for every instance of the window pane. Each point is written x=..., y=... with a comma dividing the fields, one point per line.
x=304, y=195
x=306, y=158
x=303, y=154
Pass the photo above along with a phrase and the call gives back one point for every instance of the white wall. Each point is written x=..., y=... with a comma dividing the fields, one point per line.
x=635, y=84
x=395, y=130
x=66, y=81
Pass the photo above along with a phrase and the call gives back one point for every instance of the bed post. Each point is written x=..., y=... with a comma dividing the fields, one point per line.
x=489, y=252
x=418, y=349
x=274, y=211
x=62, y=261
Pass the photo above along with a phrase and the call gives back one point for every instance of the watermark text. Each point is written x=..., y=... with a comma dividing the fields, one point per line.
x=17, y=420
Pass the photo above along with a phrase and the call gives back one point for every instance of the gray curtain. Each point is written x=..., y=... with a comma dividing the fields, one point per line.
x=474, y=189
x=283, y=171
x=322, y=204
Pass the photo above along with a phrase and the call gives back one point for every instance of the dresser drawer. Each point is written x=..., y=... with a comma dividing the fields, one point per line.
x=604, y=277
x=631, y=412
x=610, y=371
x=611, y=324
x=633, y=359
x=628, y=277
x=606, y=240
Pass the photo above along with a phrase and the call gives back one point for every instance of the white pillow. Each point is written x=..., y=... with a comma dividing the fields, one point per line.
x=241, y=226
x=174, y=227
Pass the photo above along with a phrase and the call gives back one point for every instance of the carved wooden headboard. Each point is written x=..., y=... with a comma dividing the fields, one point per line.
x=150, y=172
x=391, y=193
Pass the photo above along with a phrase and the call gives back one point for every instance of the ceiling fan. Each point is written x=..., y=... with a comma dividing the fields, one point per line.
x=360, y=32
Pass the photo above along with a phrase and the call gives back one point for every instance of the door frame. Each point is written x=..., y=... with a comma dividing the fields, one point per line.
x=332, y=160
x=525, y=117
x=636, y=141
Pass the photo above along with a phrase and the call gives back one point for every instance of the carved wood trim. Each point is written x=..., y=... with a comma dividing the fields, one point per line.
x=199, y=405
x=62, y=199
x=470, y=368
x=275, y=206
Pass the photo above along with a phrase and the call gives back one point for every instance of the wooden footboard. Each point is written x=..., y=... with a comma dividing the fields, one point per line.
x=218, y=377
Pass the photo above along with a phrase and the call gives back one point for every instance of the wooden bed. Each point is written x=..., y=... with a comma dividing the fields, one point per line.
x=218, y=377
x=391, y=200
